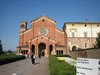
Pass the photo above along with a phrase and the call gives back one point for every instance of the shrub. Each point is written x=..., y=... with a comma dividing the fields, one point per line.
x=97, y=44
x=60, y=67
x=4, y=59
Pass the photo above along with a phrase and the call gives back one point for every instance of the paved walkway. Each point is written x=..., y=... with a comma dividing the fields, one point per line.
x=24, y=67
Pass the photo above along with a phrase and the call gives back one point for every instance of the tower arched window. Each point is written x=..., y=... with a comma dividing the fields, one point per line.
x=22, y=26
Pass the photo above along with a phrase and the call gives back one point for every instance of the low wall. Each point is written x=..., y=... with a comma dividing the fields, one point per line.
x=86, y=53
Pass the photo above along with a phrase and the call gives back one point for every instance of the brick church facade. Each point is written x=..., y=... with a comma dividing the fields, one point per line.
x=42, y=38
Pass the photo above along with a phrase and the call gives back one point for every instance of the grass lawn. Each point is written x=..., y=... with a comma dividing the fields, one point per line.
x=7, y=58
x=57, y=67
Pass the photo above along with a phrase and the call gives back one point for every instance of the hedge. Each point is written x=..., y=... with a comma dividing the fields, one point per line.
x=57, y=67
x=4, y=59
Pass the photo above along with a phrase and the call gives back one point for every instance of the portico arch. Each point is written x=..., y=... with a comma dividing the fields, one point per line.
x=50, y=49
x=41, y=49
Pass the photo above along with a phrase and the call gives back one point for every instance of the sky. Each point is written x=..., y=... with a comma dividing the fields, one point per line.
x=14, y=11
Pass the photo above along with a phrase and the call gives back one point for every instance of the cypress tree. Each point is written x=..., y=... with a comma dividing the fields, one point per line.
x=1, y=48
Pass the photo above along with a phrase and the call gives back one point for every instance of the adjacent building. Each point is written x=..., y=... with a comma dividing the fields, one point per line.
x=81, y=35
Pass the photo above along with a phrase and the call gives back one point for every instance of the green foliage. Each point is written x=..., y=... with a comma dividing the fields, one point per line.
x=9, y=51
x=1, y=48
x=57, y=67
x=98, y=41
x=7, y=58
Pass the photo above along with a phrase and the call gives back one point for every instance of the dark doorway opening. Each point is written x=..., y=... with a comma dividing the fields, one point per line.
x=33, y=49
x=41, y=49
x=50, y=49
x=73, y=48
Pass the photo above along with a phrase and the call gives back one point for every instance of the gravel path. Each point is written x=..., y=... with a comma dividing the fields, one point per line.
x=25, y=67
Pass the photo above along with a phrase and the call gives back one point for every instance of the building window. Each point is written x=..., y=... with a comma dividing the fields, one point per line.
x=57, y=52
x=98, y=34
x=85, y=45
x=73, y=34
x=42, y=20
x=85, y=34
x=73, y=48
x=22, y=26
x=72, y=24
x=98, y=25
x=85, y=25
x=62, y=52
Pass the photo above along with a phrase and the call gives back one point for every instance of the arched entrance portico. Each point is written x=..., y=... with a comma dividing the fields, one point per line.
x=41, y=49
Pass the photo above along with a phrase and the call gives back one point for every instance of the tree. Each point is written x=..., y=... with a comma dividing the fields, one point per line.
x=97, y=44
x=1, y=48
x=9, y=51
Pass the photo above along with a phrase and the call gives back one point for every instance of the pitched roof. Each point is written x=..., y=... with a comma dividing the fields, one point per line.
x=42, y=17
x=82, y=23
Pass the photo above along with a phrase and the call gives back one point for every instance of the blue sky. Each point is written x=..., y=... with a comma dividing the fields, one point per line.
x=14, y=11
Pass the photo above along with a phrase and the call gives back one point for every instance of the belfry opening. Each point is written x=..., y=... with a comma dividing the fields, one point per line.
x=41, y=49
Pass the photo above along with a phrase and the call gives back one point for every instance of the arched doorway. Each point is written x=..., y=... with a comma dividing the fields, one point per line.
x=73, y=48
x=50, y=49
x=33, y=49
x=41, y=49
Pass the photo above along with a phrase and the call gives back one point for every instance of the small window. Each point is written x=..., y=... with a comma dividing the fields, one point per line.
x=62, y=52
x=85, y=45
x=42, y=20
x=73, y=34
x=85, y=25
x=85, y=34
x=73, y=48
x=98, y=25
x=22, y=25
x=57, y=52
x=72, y=24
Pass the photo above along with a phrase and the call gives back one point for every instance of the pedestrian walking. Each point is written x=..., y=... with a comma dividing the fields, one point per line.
x=33, y=58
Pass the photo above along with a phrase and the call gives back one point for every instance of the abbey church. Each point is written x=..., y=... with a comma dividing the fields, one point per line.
x=44, y=39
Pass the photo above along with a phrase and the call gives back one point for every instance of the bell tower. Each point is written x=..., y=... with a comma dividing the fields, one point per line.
x=23, y=26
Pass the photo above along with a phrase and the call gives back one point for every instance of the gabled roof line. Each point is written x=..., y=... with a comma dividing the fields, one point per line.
x=61, y=31
x=41, y=17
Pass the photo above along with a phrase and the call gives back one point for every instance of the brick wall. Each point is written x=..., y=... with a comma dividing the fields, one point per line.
x=89, y=53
